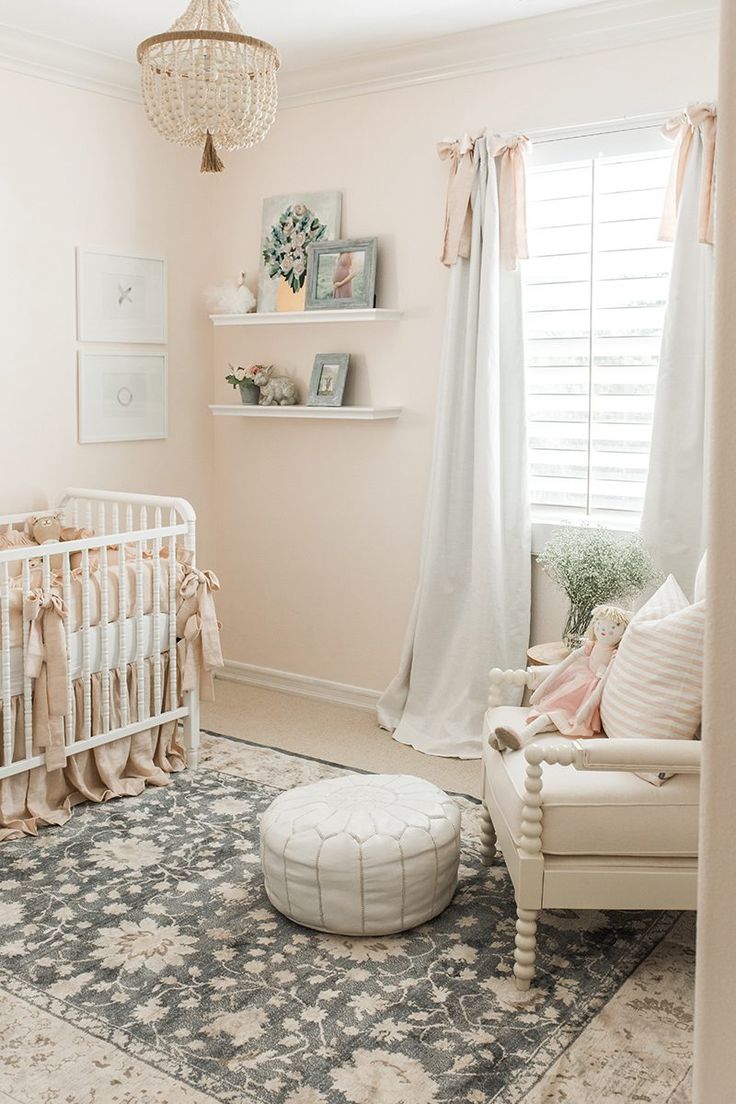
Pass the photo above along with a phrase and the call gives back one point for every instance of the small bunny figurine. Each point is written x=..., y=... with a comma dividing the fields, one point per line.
x=275, y=390
x=568, y=699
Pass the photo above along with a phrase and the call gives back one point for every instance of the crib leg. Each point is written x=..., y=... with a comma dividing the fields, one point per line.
x=191, y=728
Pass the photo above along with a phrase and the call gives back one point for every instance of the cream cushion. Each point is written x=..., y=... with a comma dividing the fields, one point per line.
x=591, y=812
x=361, y=855
x=655, y=688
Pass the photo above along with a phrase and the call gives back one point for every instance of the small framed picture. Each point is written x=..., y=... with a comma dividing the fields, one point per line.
x=341, y=274
x=122, y=397
x=120, y=299
x=327, y=385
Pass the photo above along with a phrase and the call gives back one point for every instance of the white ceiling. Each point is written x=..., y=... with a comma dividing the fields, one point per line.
x=306, y=32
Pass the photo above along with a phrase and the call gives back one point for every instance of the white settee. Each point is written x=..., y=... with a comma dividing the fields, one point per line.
x=578, y=828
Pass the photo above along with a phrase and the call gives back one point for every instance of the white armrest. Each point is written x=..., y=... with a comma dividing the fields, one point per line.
x=637, y=754
x=507, y=687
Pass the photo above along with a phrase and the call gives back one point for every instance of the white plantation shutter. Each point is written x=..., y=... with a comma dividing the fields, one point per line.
x=595, y=292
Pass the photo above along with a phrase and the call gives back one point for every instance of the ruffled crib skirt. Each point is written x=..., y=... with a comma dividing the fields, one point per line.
x=123, y=768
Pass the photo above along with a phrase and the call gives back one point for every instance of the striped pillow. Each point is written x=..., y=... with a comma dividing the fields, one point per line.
x=655, y=687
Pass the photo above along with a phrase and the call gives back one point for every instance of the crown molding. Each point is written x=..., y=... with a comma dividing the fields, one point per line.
x=602, y=26
x=62, y=63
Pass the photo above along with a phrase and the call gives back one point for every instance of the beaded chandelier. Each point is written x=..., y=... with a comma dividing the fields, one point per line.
x=206, y=83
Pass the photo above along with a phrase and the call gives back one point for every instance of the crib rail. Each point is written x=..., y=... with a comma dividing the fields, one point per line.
x=67, y=687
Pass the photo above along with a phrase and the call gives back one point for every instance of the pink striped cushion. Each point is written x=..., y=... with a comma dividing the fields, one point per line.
x=655, y=687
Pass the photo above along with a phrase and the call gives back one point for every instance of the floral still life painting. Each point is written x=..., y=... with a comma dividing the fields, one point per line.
x=290, y=224
x=143, y=926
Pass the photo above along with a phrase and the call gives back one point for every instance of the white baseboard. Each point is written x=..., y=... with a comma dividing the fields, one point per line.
x=303, y=686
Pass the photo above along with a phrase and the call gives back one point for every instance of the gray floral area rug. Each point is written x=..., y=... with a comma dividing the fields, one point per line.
x=144, y=924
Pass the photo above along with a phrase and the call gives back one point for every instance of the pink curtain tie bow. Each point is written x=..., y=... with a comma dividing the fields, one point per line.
x=201, y=632
x=46, y=661
x=458, y=212
x=510, y=153
x=682, y=130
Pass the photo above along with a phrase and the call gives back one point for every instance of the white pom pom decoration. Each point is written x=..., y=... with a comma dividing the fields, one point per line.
x=230, y=298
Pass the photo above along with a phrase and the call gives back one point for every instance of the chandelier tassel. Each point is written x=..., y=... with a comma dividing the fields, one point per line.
x=210, y=160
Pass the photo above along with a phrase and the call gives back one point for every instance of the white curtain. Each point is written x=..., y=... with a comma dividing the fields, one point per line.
x=673, y=520
x=472, y=606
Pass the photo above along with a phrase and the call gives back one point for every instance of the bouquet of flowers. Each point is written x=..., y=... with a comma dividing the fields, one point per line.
x=241, y=377
x=285, y=247
x=595, y=567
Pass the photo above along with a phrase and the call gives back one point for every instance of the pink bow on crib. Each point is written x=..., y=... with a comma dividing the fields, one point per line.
x=200, y=630
x=46, y=660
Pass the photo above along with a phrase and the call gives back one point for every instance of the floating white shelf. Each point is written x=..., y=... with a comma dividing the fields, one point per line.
x=291, y=318
x=326, y=413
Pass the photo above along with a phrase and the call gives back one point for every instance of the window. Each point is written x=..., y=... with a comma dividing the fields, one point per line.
x=595, y=289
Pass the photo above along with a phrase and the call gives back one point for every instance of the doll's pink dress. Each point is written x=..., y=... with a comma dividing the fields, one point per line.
x=562, y=694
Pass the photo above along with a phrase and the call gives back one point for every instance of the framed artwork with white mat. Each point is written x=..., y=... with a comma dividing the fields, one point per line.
x=120, y=298
x=122, y=397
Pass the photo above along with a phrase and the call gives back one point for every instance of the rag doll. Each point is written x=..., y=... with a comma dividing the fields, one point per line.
x=569, y=697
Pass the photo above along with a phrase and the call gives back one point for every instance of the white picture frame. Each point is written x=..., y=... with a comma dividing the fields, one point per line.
x=122, y=397
x=120, y=298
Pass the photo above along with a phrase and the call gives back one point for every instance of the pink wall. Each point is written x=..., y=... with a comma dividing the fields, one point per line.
x=314, y=528
x=86, y=170
x=324, y=521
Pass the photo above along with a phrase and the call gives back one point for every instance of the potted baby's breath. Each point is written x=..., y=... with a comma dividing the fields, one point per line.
x=595, y=566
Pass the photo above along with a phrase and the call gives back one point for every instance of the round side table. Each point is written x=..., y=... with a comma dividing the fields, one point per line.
x=545, y=655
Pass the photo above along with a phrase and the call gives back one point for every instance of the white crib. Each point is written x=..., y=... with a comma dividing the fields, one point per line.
x=146, y=530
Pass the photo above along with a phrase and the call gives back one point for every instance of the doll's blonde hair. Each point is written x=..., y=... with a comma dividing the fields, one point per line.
x=613, y=613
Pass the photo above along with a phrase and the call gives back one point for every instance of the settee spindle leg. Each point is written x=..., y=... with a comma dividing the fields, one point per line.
x=487, y=838
x=525, y=953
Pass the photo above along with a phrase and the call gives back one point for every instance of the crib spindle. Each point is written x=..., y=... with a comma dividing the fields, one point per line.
x=7, y=697
x=74, y=505
x=115, y=520
x=122, y=644
x=105, y=638
x=173, y=696
x=157, y=703
x=66, y=593
x=86, y=664
x=140, y=663
x=27, y=682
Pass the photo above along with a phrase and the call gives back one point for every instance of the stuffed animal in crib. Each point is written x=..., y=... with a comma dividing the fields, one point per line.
x=47, y=530
x=275, y=390
x=569, y=697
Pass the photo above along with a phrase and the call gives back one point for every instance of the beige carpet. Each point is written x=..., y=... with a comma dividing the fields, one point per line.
x=336, y=733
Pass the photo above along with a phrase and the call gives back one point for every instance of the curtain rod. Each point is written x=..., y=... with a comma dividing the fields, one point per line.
x=609, y=126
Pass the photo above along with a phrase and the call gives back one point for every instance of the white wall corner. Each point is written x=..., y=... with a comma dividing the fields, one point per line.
x=303, y=686
x=601, y=26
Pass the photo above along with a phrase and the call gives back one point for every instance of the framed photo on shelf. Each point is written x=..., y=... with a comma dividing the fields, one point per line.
x=327, y=385
x=341, y=275
x=122, y=397
x=120, y=299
